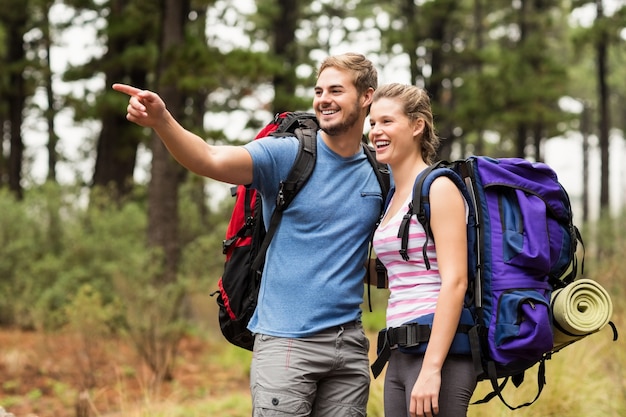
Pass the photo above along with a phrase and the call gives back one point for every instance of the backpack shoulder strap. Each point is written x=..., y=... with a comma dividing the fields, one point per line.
x=383, y=176
x=303, y=165
x=381, y=170
x=420, y=205
x=298, y=175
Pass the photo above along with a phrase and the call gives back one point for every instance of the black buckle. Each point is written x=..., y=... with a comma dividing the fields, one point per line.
x=409, y=335
x=412, y=336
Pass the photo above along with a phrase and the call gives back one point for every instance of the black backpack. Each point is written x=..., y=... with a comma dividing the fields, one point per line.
x=247, y=240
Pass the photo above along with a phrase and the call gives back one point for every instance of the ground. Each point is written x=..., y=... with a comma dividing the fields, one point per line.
x=57, y=374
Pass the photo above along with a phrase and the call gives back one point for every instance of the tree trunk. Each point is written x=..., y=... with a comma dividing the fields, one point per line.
x=537, y=139
x=51, y=112
x=520, y=142
x=603, y=108
x=585, y=126
x=442, y=97
x=166, y=176
x=286, y=51
x=16, y=95
x=409, y=11
x=118, y=142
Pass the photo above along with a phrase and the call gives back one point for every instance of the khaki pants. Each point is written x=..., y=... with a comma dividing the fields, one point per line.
x=322, y=375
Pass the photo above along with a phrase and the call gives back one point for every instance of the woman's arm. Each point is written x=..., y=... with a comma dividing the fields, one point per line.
x=448, y=223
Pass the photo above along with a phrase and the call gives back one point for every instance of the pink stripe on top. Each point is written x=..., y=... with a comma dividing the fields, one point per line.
x=413, y=289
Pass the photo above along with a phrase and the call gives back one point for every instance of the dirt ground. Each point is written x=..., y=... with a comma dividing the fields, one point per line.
x=61, y=375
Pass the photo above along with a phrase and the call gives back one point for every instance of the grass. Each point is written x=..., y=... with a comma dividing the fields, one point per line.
x=586, y=379
x=236, y=405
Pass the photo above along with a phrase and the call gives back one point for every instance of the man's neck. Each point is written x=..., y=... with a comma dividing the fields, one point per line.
x=347, y=143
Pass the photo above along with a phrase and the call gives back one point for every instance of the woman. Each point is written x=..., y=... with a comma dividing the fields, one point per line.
x=434, y=381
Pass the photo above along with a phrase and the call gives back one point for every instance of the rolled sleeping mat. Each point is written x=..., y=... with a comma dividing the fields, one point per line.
x=579, y=309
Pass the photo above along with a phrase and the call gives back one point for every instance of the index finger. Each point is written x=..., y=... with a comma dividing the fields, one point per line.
x=126, y=89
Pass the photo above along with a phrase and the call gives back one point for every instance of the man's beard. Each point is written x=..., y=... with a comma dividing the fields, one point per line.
x=343, y=126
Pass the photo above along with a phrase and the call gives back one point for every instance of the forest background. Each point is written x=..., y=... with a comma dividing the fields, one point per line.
x=109, y=249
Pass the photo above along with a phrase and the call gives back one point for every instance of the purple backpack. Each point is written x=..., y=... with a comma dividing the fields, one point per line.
x=522, y=246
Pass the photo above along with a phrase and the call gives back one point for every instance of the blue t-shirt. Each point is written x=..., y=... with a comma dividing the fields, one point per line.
x=314, y=269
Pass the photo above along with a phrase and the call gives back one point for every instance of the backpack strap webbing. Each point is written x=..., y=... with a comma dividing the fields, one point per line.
x=300, y=172
x=517, y=381
x=303, y=165
x=246, y=229
x=420, y=205
x=381, y=170
x=407, y=336
x=417, y=208
x=384, y=180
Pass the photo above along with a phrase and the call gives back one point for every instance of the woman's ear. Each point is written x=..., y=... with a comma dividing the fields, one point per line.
x=418, y=127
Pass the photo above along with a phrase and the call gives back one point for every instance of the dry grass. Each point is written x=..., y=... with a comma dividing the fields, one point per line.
x=586, y=379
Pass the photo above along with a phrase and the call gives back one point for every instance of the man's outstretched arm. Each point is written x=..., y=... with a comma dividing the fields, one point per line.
x=230, y=164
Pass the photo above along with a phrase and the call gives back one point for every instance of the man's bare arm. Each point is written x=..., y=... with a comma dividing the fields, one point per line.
x=230, y=164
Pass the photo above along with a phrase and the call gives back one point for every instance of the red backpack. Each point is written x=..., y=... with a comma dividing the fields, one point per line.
x=247, y=240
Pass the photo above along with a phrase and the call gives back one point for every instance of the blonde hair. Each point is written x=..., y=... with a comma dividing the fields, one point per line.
x=364, y=74
x=416, y=105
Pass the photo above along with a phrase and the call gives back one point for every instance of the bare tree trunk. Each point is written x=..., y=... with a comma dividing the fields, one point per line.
x=585, y=125
x=83, y=404
x=118, y=142
x=479, y=12
x=409, y=11
x=53, y=139
x=16, y=57
x=442, y=96
x=524, y=27
x=537, y=139
x=286, y=50
x=166, y=173
x=166, y=177
x=602, y=45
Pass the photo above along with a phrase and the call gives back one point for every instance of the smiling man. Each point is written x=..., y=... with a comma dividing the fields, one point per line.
x=310, y=353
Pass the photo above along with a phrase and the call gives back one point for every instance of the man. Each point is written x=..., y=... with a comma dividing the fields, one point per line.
x=310, y=354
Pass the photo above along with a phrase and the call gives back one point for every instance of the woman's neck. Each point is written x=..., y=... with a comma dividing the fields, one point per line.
x=405, y=172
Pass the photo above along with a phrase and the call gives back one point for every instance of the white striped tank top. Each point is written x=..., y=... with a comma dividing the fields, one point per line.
x=413, y=289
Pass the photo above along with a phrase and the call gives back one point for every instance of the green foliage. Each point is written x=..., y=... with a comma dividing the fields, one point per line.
x=100, y=244
x=94, y=276
x=55, y=250
x=202, y=233
x=376, y=403
x=236, y=359
x=374, y=320
x=88, y=315
x=18, y=237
